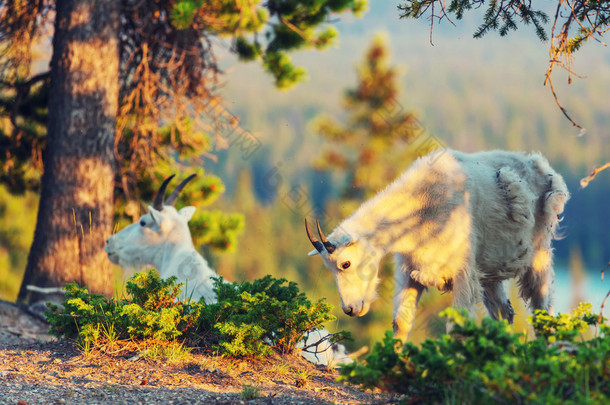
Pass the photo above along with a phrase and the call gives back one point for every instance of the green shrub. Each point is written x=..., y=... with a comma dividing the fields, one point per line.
x=82, y=316
x=152, y=312
x=487, y=363
x=249, y=319
x=170, y=352
x=250, y=392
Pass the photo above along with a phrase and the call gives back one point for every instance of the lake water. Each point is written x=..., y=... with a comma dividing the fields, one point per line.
x=591, y=289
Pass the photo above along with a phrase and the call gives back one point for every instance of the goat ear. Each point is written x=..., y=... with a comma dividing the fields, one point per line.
x=187, y=212
x=313, y=253
x=156, y=215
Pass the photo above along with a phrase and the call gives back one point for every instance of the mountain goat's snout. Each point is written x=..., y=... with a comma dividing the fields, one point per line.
x=355, y=309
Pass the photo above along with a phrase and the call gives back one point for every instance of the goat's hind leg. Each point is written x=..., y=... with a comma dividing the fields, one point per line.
x=535, y=285
x=497, y=303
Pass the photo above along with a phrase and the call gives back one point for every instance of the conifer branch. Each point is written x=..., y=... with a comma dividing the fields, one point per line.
x=549, y=81
x=590, y=20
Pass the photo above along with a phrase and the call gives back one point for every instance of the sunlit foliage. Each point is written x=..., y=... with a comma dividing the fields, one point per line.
x=169, y=70
x=249, y=319
x=487, y=363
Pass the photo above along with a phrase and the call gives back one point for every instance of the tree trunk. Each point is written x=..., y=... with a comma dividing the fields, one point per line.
x=76, y=207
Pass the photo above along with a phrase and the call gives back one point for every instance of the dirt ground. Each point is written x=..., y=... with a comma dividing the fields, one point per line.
x=35, y=368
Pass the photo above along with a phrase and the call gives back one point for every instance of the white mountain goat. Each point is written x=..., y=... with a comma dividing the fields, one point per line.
x=162, y=239
x=456, y=221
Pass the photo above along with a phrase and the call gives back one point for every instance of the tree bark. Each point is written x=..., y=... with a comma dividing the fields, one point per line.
x=76, y=202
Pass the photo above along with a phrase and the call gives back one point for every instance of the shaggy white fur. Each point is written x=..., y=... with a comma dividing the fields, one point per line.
x=162, y=239
x=456, y=221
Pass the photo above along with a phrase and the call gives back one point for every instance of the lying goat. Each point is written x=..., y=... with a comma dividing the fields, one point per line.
x=162, y=239
x=456, y=221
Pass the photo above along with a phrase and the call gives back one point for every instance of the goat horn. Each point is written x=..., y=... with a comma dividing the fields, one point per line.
x=158, y=203
x=329, y=246
x=174, y=195
x=316, y=243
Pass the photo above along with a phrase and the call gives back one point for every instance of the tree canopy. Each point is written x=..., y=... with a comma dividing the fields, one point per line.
x=169, y=71
x=574, y=23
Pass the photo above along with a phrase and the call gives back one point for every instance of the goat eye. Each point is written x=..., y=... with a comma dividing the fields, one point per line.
x=345, y=265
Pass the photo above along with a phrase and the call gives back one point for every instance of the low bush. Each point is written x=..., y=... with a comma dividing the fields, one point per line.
x=152, y=312
x=249, y=319
x=488, y=363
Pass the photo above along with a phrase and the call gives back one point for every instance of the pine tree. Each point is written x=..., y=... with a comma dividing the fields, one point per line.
x=160, y=79
x=72, y=225
x=373, y=145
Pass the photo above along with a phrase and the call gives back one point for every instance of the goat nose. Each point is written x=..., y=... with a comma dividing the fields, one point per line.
x=348, y=310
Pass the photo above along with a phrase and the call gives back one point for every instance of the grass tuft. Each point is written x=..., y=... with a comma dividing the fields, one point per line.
x=250, y=392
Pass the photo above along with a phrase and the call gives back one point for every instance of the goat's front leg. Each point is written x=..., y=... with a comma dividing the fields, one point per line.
x=466, y=292
x=406, y=297
x=497, y=303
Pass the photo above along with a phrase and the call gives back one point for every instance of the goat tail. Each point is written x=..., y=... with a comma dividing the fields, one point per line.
x=554, y=202
x=553, y=199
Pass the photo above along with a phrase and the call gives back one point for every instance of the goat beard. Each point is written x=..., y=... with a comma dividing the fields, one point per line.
x=366, y=306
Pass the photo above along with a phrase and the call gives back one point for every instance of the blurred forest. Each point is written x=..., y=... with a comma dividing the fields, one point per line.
x=465, y=94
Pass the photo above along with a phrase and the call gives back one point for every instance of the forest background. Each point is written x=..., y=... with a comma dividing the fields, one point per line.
x=468, y=94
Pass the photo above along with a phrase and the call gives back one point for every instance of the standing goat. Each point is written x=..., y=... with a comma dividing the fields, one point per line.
x=162, y=239
x=456, y=221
